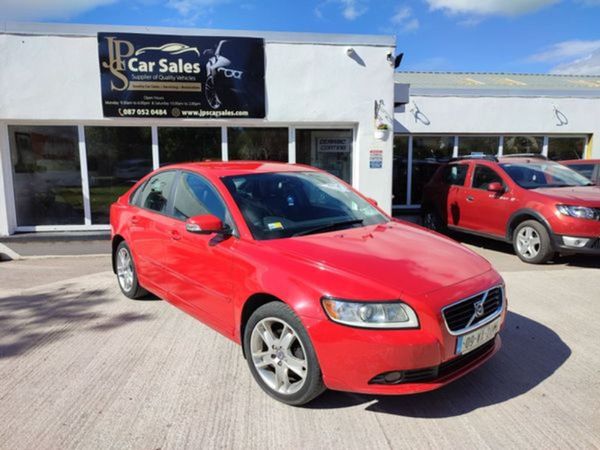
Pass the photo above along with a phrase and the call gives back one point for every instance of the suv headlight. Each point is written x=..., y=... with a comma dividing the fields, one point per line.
x=580, y=212
x=371, y=314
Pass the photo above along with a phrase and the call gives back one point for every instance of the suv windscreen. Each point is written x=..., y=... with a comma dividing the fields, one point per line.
x=542, y=174
x=286, y=204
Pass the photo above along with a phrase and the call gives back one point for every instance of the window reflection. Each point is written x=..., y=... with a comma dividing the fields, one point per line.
x=487, y=145
x=266, y=144
x=179, y=144
x=330, y=150
x=428, y=153
x=117, y=158
x=561, y=148
x=46, y=175
x=400, y=170
x=523, y=144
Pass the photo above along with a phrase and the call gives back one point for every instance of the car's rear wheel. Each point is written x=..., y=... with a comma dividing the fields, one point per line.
x=280, y=355
x=126, y=273
x=531, y=242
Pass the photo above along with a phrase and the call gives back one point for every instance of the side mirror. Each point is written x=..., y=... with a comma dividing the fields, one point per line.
x=495, y=187
x=372, y=201
x=205, y=224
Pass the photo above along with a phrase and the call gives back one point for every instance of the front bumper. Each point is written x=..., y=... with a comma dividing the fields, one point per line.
x=591, y=248
x=351, y=358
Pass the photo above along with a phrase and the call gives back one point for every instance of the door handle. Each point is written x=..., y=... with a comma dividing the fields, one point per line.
x=470, y=198
x=135, y=220
x=175, y=235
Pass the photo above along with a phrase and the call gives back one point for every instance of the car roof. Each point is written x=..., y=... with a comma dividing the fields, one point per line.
x=230, y=168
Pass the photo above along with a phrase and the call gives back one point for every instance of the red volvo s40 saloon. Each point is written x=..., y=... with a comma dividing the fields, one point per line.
x=320, y=287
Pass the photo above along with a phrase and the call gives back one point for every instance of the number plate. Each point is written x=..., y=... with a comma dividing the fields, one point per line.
x=470, y=341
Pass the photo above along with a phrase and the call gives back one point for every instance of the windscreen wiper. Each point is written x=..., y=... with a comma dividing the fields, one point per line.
x=328, y=227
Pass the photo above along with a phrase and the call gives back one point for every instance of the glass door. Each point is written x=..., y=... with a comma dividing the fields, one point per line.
x=330, y=150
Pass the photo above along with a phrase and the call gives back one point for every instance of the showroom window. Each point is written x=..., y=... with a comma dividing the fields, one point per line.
x=523, y=144
x=46, y=175
x=562, y=148
x=487, y=145
x=266, y=144
x=179, y=144
x=400, y=171
x=117, y=157
x=428, y=153
x=330, y=150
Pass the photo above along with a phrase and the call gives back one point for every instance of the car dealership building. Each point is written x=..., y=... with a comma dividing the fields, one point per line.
x=87, y=110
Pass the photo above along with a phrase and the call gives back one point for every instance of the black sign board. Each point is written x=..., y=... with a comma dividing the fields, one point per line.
x=188, y=77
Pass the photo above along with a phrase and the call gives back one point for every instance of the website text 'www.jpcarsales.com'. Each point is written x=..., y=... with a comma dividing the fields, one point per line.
x=223, y=113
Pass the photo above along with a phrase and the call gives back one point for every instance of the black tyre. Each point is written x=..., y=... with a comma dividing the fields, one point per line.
x=126, y=274
x=532, y=243
x=280, y=355
x=432, y=220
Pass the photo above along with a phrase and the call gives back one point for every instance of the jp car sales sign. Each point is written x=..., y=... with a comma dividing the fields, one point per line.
x=188, y=77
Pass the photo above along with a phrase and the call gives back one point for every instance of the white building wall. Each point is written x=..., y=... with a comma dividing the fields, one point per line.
x=56, y=79
x=501, y=115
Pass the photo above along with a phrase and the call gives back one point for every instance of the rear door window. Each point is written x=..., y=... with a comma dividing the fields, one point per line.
x=455, y=174
x=157, y=192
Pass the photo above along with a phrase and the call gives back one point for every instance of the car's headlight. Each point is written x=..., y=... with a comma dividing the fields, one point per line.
x=580, y=212
x=371, y=314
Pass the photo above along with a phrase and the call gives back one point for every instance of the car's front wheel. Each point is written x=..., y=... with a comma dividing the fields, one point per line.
x=531, y=242
x=280, y=355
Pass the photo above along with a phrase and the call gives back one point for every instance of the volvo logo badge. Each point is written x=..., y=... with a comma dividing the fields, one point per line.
x=479, y=311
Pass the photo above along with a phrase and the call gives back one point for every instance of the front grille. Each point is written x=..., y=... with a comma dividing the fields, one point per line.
x=596, y=244
x=462, y=315
x=444, y=370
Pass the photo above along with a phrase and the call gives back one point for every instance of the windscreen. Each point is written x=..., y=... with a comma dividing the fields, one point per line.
x=533, y=175
x=287, y=204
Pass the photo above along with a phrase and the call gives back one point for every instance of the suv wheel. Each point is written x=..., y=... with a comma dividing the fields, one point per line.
x=280, y=355
x=432, y=220
x=532, y=242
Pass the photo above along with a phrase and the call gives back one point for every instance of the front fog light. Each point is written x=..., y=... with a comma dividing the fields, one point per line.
x=575, y=241
x=371, y=314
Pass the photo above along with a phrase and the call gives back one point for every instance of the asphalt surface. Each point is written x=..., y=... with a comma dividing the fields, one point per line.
x=81, y=366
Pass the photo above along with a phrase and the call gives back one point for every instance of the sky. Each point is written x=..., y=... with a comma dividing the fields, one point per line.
x=513, y=36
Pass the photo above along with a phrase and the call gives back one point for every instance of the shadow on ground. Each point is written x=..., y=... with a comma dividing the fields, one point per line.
x=531, y=353
x=30, y=321
x=585, y=261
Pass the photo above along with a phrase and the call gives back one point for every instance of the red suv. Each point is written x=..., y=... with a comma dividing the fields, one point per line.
x=319, y=286
x=540, y=206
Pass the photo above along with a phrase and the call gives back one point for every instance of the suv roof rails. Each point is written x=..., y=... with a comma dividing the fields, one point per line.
x=526, y=155
x=468, y=157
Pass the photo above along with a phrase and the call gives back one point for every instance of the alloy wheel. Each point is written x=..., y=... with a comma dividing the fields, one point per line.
x=528, y=242
x=125, y=269
x=278, y=355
